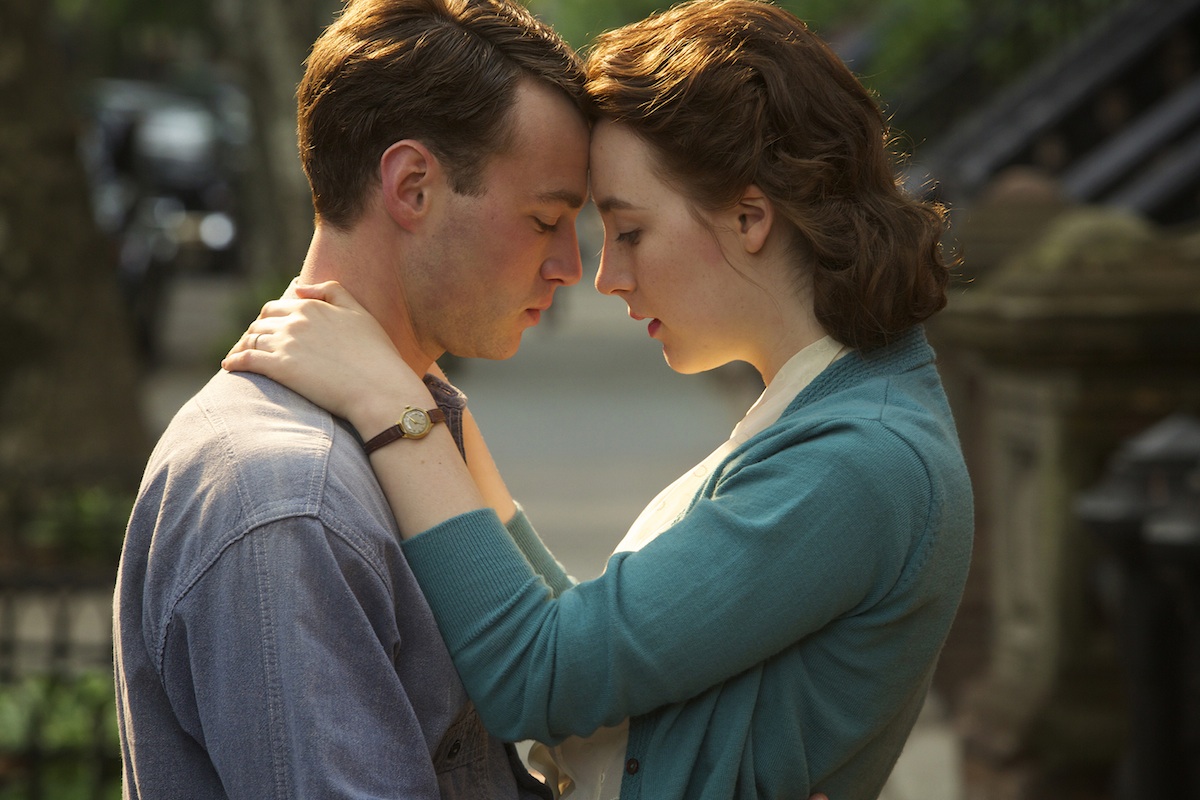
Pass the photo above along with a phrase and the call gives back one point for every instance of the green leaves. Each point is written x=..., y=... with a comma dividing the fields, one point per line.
x=71, y=525
x=59, y=734
x=59, y=714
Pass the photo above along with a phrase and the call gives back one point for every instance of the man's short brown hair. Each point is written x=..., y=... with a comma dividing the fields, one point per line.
x=731, y=93
x=443, y=72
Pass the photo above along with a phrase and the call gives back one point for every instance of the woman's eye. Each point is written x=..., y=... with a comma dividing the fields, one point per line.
x=629, y=237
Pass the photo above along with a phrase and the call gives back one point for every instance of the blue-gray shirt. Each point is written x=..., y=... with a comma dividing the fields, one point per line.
x=270, y=639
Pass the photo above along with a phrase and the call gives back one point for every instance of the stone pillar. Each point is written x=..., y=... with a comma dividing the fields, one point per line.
x=1051, y=360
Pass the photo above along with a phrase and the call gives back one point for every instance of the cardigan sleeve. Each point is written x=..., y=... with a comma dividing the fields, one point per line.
x=788, y=536
x=537, y=554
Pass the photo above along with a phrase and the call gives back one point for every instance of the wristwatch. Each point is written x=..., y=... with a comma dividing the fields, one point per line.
x=414, y=423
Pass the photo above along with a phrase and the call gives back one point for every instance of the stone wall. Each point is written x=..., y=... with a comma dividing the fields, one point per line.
x=1071, y=330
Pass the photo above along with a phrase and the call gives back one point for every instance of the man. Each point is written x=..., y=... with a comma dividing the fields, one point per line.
x=270, y=640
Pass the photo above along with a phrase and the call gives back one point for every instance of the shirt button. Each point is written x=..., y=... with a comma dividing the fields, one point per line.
x=632, y=766
x=455, y=747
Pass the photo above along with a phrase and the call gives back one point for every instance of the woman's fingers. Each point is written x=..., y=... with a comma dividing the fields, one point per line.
x=301, y=299
x=330, y=292
x=254, y=337
x=324, y=345
x=277, y=315
x=244, y=358
x=282, y=307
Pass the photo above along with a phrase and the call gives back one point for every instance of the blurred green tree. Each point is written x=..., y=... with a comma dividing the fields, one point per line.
x=68, y=403
x=929, y=61
x=579, y=21
x=265, y=44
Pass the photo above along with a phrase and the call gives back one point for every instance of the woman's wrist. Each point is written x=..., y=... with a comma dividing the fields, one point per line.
x=381, y=408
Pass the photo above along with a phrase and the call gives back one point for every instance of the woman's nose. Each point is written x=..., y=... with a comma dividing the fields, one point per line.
x=612, y=277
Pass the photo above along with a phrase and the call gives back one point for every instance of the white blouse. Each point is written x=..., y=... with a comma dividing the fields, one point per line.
x=590, y=768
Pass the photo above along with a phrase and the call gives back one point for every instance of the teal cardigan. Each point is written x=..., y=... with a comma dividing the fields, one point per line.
x=777, y=640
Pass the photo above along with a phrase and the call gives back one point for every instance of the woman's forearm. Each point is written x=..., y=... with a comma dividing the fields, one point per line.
x=425, y=480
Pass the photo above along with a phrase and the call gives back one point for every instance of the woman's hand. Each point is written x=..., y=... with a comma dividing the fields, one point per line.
x=320, y=343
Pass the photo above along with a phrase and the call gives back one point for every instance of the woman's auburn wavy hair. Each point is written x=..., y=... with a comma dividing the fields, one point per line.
x=738, y=92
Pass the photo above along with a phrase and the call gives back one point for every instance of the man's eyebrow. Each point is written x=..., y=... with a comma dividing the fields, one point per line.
x=572, y=199
x=614, y=204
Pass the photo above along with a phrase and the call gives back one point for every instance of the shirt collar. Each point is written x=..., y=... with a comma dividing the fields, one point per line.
x=792, y=378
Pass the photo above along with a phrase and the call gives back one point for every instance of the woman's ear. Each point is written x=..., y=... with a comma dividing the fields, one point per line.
x=408, y=171
x=755, y=217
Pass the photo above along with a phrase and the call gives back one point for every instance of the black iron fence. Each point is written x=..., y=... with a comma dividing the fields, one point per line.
x=1145, y=515
x=58, y=729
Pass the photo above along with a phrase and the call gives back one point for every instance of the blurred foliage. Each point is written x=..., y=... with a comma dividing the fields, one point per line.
x=114, y=13
x=903, y=34
x=55, y=713
x=108, y=37
x=581, y=20
x=79, y=526
x=899, y=48
x=60, y=734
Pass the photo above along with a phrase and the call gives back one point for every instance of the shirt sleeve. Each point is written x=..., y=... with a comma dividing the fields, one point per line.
x=279, y=661
x=784, y=540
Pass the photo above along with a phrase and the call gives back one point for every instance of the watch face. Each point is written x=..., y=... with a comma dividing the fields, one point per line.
x=415, y=423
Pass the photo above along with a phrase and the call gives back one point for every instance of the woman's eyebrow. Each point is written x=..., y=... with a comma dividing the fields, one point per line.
x=614, y=204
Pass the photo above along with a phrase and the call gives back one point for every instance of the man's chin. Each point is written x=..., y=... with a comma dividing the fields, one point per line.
x=496, y=351
x=507, y=353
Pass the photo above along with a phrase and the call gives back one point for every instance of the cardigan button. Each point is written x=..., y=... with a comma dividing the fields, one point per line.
x=455, y=748
x=632, y=766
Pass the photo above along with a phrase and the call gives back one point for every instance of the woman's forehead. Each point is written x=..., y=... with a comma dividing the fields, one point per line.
x=620, y=165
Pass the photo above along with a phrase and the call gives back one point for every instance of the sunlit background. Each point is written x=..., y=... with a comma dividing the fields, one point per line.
x=151, y=200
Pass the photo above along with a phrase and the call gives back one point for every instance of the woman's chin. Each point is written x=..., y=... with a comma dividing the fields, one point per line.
x=684, y=365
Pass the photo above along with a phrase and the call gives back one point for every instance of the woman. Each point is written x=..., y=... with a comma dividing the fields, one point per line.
x=770, y=624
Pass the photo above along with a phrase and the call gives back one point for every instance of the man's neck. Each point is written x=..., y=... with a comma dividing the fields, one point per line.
x=360, y=263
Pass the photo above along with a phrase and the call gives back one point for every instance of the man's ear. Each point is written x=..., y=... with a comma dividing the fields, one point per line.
x=408, y=172
x=755, y=216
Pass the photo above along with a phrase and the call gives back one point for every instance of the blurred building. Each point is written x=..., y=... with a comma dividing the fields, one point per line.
x=1113, y=119
x=1074, y=324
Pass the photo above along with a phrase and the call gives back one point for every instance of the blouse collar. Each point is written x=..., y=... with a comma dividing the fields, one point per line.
x=792, y=378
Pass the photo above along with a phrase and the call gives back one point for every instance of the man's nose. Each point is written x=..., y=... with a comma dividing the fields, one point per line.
x=563, y=264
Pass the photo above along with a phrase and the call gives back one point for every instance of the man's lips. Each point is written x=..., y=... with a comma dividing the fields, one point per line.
x=535, y=311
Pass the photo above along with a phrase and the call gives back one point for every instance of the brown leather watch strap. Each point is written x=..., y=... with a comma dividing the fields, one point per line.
x=395, y=432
